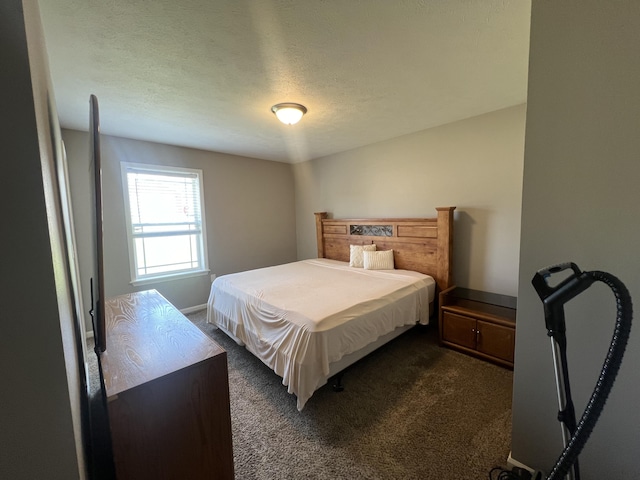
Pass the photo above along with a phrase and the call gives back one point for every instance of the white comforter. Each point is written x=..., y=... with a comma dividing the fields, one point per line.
x=300, y=317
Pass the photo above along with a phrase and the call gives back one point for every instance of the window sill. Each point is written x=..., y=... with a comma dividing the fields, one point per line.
x=169, y=277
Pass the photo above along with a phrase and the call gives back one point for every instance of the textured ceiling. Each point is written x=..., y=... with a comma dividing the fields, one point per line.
x=205, y=73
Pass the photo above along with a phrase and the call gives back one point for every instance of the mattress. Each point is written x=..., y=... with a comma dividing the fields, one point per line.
x=300, y=317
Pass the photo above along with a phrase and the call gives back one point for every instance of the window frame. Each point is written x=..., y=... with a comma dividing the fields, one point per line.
x=125, y=167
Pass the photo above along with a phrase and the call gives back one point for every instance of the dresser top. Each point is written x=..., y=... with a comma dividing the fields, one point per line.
x=147, y=338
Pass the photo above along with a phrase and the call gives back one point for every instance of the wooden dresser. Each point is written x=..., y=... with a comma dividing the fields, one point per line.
x=479, y=323
x=167, y=390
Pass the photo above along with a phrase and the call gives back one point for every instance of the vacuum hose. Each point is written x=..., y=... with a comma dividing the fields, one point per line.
x=608, y=373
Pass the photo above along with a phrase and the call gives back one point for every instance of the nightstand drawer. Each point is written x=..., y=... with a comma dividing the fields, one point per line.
x=496, y=340
x=459, y=329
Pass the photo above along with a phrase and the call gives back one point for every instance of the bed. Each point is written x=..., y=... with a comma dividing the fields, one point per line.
x=309, y=320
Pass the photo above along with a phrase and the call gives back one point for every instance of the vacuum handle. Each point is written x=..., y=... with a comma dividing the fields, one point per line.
x=554, y=297
x=540, y=278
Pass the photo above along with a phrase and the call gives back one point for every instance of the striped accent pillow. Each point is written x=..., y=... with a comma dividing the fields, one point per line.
x=379, y=260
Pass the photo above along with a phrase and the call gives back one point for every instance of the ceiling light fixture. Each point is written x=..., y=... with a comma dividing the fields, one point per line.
x=289, y=113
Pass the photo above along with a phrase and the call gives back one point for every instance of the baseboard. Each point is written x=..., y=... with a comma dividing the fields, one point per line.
x=514, y=463
x=197, y=308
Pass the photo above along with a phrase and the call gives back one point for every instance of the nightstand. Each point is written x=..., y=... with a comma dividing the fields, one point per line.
x=479, y=323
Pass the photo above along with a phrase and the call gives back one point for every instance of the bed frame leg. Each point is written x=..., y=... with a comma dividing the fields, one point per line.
x=337, y=382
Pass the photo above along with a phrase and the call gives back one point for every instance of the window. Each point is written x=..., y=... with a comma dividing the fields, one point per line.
x=165, y=221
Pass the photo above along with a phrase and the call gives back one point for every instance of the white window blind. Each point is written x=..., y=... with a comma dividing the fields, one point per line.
x=165, y=220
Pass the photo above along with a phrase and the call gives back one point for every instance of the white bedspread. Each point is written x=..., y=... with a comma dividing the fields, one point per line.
x=300, y=317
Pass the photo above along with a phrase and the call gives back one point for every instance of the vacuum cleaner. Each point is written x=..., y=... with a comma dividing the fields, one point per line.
x=575, y=434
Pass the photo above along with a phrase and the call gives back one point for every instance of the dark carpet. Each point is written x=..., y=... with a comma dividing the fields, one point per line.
x=410, y=410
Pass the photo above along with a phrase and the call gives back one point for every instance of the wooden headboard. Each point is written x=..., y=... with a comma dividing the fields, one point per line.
x=420, y=244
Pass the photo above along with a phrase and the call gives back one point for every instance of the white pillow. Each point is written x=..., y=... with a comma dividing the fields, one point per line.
x=380, y=260
x=355, y=254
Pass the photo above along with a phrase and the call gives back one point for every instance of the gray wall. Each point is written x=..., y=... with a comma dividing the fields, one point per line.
x=40, y=421
x=249, y=204
x=580, y=203
x=474, y=164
